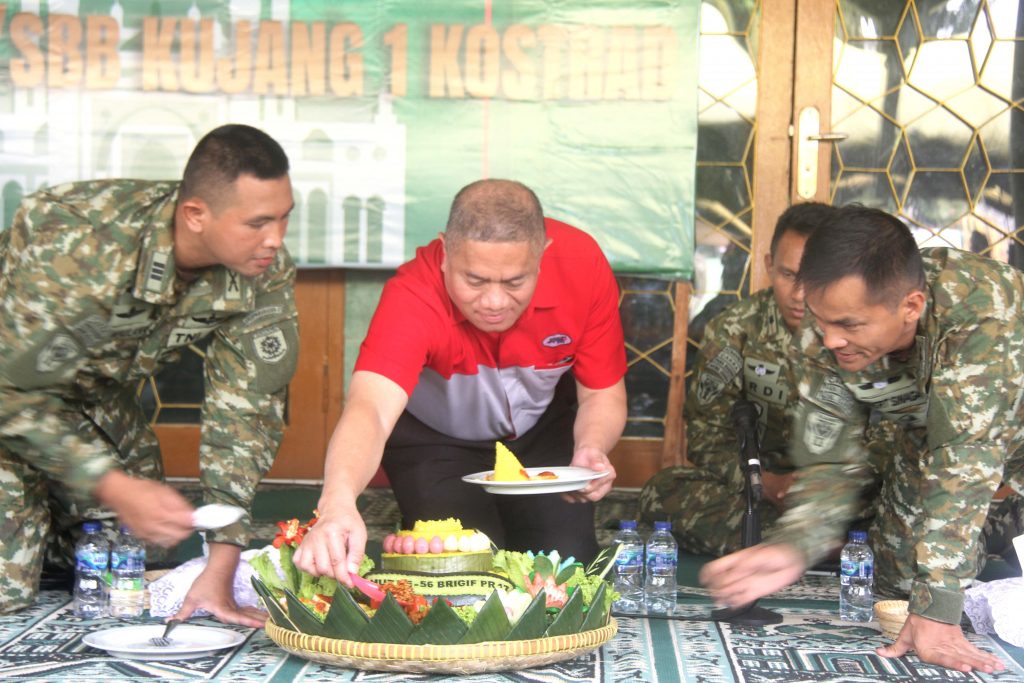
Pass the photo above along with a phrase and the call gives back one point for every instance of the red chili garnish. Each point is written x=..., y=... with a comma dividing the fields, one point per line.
x=290, y=532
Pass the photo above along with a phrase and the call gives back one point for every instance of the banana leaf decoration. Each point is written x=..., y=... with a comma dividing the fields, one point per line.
x=346, y=620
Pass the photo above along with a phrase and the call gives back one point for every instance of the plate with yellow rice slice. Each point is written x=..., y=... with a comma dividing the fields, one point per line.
x=539, y=480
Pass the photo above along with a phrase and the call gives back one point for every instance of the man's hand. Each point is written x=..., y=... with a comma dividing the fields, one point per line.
x=595, y=490
x=939, y=643
x=744, y=576
x=775, y=487
x=153, y=511
x=335, y=545
x=213, y=590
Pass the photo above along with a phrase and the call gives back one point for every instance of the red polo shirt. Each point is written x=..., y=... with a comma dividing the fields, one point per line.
x=478, y=385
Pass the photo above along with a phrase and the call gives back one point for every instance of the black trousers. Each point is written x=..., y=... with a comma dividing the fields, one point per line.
x=426, y=469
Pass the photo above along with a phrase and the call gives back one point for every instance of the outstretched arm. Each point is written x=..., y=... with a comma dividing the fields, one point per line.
x=335, y=546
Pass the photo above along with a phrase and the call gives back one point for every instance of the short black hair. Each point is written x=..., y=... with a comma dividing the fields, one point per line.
x=496, y=210
x=867, y=243
x=225, y=153
x=803, y=219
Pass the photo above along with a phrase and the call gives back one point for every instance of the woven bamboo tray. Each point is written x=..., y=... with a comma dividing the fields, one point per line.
x=450, y=659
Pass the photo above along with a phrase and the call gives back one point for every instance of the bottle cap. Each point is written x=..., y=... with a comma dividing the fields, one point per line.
x=663, y=526
x=627, y=524
x=859, y=536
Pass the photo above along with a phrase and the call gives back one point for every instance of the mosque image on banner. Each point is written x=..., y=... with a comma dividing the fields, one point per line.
x=348, y=177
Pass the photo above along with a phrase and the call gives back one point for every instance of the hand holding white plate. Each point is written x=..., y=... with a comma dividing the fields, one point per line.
x=187, y=642
x=216, y=516
x=566, y=479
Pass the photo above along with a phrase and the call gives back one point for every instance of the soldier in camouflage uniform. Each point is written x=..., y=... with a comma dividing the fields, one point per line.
x=744, y=355
x=102, y=283
x=934, y=342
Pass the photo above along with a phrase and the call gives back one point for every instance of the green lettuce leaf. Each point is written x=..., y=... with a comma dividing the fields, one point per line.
x=267, y=571
x=516, y=565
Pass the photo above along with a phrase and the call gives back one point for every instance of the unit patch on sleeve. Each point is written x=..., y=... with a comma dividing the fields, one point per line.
x=58, y=352
x=822, y=432
x=270, y=345
x=719, y=372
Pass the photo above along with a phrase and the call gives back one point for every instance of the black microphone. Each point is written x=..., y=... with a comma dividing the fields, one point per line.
x=744, y=421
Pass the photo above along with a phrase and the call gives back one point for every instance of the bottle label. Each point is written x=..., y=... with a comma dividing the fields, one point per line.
x=131, y=562
x=864, y=570
x=661, y=561
x=129, y=584
x=629, y=557
x=91, y=560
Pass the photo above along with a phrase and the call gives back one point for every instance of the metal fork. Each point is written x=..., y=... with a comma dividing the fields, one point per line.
x=163, y=640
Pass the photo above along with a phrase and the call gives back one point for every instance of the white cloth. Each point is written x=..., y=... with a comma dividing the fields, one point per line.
x=167, y=594
x=995, y=607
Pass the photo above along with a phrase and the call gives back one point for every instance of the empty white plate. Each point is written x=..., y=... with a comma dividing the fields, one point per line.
x=187, y=641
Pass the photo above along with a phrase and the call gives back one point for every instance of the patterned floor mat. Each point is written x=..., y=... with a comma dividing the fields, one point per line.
x=44, y=643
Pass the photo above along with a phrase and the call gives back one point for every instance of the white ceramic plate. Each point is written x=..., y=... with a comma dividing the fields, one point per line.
x=569, y=479
x=187, y=641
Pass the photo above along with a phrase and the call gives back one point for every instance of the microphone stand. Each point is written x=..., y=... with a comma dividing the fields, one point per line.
x=751, y=614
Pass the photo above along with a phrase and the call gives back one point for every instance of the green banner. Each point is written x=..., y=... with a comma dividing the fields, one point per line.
x=385, y=107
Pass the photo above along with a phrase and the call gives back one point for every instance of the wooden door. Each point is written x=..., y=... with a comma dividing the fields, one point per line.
x=314, y=395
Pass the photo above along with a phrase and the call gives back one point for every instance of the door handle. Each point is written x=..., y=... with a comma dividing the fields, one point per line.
x=829, y=137
x=809, y=136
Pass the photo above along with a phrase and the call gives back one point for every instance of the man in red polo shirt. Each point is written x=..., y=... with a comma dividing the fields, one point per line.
x=507, y=328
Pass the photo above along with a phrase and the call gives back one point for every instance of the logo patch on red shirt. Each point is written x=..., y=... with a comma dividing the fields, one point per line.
x=557, y=340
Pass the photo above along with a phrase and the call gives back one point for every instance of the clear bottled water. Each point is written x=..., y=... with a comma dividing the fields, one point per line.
x=91, y=562
x=629, y=568
x=128, y=583
x=857, y=579
x=662, y=556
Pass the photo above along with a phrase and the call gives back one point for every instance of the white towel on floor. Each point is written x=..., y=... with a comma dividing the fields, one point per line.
x=167, y=594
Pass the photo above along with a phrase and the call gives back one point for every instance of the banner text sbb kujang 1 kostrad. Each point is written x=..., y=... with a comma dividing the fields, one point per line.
x=385, y=109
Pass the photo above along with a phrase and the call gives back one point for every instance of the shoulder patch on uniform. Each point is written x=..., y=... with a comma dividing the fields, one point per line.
x=92, y=330
x=261, y=314
x=835, y=394
x=717, y=373
x=727, y=364
x=708, y=387
x=58, y=352
x=821, y=432
x=270, y=345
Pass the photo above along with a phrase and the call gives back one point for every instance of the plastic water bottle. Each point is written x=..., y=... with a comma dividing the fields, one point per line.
x=857, y=579
x=128, y=568
x=662, y=556
x=91, y=561
x=629, y=568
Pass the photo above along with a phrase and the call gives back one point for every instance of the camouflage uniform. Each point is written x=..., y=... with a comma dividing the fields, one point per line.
x=957, y=395
x=90, y=304
x=744, y=356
